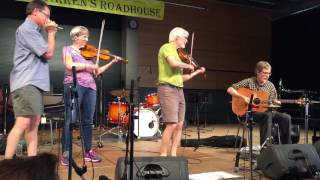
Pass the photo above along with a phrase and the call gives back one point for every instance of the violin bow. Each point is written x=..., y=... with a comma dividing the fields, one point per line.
x=191, y=47
x=100, y=39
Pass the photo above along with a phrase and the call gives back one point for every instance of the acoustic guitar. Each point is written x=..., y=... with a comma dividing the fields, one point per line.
x=260, y=102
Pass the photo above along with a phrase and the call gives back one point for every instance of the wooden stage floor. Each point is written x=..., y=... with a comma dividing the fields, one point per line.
x=200, y=160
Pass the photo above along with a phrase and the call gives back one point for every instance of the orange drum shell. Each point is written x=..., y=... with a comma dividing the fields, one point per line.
x=152, y=99
x=114, y=114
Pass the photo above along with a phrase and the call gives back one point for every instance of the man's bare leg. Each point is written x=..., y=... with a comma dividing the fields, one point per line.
x=166, y=138
x=176, y=138
x=31, y=136
x=21, y=124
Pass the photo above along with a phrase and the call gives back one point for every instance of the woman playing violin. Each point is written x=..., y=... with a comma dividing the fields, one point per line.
x=86, y=90
x=170, y=92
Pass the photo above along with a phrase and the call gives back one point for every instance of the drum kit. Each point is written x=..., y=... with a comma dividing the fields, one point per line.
x=146, y=117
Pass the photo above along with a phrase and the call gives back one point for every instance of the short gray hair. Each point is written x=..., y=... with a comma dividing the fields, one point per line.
x=177, y=32
x=77, y=31
x=260, y=66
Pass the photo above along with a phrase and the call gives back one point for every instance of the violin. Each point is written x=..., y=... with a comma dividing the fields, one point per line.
x=188, y=59
x=90, y=52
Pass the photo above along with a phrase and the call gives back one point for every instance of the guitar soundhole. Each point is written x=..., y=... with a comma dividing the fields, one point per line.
x=256, y=101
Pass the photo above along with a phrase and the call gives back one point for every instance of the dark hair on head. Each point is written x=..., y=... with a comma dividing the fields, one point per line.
x=40, y=167
x=35, y=4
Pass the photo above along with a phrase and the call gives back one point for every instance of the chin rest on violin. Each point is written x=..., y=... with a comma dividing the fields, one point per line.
x=90, y=52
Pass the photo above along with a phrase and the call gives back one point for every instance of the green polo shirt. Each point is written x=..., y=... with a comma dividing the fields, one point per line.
x=168, y=75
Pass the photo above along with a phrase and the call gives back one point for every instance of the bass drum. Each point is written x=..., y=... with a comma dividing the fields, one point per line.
x=147, y=125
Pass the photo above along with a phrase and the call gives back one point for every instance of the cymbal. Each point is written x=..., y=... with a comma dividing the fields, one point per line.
x=120, y=93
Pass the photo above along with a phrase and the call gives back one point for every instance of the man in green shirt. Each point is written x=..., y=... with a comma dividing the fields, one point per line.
x=170, y=92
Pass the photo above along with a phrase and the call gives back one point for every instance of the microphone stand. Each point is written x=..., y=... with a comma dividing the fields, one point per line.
x=131, y=137
x=306, y=107
x=75, y=112
x=5, y=109
x=306, y=118
x=249, y=119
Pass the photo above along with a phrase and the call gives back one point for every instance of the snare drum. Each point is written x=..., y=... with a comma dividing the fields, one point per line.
x=117, y=112
x=152, y=100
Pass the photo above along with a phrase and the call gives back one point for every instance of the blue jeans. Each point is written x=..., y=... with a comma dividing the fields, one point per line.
x=87, y=103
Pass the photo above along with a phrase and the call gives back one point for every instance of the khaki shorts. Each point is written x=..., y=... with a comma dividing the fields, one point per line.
x=27, y=101
x=172, y=102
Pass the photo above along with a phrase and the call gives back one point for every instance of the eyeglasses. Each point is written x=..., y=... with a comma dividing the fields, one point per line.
x=45, y=14
x=266, y=73
x=184, y=38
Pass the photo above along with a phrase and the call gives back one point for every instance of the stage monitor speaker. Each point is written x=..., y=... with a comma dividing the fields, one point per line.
x=317, y=146
x=164, y=168
x=290, y=161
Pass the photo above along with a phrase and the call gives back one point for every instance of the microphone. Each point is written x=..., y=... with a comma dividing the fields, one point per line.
x=78, y=170
x=74, y=75
x=280, y=85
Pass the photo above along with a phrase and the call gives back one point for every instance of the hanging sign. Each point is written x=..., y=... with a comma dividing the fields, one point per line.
x=151, y=9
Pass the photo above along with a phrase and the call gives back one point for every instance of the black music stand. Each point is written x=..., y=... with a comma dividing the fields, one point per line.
x=199, y=100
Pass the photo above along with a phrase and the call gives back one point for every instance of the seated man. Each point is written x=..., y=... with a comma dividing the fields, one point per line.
x=260, y=83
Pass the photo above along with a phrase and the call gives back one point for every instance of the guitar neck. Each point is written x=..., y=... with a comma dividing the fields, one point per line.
x=288, y=101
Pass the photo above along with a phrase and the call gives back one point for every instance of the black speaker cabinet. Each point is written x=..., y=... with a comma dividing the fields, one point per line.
x=317, y=146
x=164, y=168
x=290, y=161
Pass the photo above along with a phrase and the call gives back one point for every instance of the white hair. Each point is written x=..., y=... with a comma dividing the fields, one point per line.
x=77, y=31
x=177, y=32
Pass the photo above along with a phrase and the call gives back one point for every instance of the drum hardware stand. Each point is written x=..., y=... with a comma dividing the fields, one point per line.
x=160, y=123
x=74, y=115
x=121, y=120
x=118, y=127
